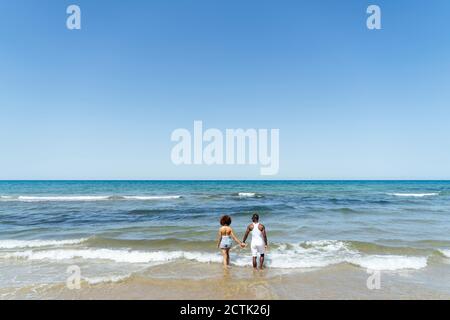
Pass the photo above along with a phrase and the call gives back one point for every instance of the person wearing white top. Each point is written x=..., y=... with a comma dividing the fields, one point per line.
x=259, y=240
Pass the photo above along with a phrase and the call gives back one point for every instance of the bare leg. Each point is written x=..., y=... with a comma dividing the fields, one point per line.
x=225, y=257
x=228, y=257
x=261, y=261
x=254, y=263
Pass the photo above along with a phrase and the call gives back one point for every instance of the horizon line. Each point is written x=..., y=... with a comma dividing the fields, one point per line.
x=262, y=180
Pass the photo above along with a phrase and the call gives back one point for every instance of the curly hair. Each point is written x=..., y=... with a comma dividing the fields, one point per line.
x=225, y=220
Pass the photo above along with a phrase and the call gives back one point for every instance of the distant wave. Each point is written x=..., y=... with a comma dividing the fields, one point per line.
x=14, y=244
x=151, y=197
x=310, y=254
x=417, y=195
x=248, y=195
x=61, y=198
x=149, y=211
x=85, y=198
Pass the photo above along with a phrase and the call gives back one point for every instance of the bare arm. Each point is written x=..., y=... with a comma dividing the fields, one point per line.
x=246, y=234
x=263, y=231
x=219, y=238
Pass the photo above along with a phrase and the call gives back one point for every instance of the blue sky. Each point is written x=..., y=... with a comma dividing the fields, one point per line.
x=102, y=102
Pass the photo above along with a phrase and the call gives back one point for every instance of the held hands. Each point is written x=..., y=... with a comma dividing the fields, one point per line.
x=243, y=245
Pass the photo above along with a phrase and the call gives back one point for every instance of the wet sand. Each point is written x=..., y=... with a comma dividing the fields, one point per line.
x=199, y=281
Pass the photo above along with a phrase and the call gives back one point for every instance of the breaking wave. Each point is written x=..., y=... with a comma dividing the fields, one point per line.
x=85, y=198
x=415, y=195
x=248, y=195
x=445, y=252
x=310, y=254
x=14, y=244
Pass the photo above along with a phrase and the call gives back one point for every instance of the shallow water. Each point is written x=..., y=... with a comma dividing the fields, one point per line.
x=115, y=230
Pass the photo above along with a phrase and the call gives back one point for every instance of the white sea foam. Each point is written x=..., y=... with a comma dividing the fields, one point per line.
x=84, y=198
x=107, y=279
x=445, y=252
x=312, y=254
x=13, y=244
x=322, y=253
x=61, y=198
x=247, y=194
x=416, y=195
x=125, y=256
x=390, y=262
x=152, y=197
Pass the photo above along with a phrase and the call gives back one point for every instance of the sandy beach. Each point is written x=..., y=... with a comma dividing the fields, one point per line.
x=198, y=281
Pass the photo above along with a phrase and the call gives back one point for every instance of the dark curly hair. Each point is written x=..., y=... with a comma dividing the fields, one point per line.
x=225, y=220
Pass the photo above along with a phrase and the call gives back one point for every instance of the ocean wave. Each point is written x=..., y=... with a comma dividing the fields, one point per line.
x=445, y=252
x=150, y=211
x=322, y=253
x=151, y=197
x=61, y=198
x=14, y=244
x=124, y=256
x=415, y=195
x=390, y=262
x=107, y=279
x=85, y=198
x=168, y=242
x=310, y=254
x=247, y=194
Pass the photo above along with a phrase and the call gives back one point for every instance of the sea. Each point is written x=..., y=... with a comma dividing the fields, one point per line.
x=124, y=237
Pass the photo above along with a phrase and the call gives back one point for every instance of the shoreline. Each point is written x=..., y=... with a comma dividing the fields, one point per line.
x=205, y=282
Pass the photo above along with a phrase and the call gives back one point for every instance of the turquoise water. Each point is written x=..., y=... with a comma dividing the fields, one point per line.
x=114, y=228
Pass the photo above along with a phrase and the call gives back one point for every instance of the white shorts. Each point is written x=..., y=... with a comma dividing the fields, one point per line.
x=257, y=249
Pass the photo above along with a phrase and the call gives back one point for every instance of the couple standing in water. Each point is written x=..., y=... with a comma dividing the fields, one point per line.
x=258, y=244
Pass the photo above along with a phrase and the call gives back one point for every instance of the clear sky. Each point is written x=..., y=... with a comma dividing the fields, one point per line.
x=102, y=102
